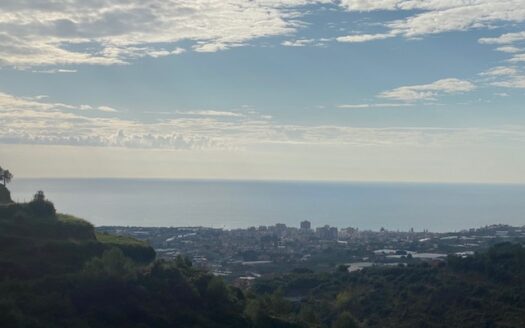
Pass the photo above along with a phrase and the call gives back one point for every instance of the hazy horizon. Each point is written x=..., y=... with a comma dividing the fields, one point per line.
x=335, y=181
x=240, y=204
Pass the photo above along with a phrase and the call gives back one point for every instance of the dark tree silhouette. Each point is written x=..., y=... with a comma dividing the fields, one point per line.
x=40, y=206
x=5, y=176
x=39, y=196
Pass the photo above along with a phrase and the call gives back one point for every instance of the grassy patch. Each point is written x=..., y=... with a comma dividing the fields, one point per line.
x=70, y=219
x=119, y=240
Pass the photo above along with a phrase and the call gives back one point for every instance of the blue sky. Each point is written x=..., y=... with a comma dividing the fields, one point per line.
x=390, y=90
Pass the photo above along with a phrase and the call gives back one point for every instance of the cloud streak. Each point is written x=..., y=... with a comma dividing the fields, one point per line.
x=373, y=105
x=428, y=91
x=34, y=121
x=358, y=38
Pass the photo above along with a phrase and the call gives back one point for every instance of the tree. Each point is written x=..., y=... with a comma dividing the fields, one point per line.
x=39, y=196
x=40, y=206
x=5, y=176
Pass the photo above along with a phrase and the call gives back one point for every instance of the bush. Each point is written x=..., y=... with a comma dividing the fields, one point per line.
x=42, y=208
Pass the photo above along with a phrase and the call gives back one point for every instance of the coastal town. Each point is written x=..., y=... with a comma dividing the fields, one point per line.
x=244, y=255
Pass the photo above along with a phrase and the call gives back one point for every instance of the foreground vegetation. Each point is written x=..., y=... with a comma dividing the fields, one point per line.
x=486, y=290
x=55, y=271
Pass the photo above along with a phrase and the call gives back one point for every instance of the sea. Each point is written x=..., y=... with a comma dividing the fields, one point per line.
x=241, y=204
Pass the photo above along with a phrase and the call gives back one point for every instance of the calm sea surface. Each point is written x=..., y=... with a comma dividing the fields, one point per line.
x=231, y=204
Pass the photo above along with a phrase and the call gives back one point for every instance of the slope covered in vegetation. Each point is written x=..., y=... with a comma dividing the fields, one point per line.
x=55, y=271
x=486, y=290
x=35, y=241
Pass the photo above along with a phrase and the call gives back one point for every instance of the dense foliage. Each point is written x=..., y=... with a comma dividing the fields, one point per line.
x=111, y=291
x=56, y=272
x=35, y=241
x=486, y=290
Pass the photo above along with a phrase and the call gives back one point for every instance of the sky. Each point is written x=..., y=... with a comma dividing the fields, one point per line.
x=383, y=90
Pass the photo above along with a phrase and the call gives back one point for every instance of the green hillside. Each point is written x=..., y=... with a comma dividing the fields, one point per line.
x=35, y=241
x=55, y=271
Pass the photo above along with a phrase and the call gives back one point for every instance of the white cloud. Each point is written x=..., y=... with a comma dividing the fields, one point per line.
x=428, y=91
x=373, y=105
x=54, y=71
x=515, y=82
x=297, y=43
x=438, y=16
x=508, y=49
x=364, y=5
x=500, y=71
x=178, y=51
x=109, y=32
x=507, y=38
x=107, y=109
x=211, y=113
x=505, y=77
x=363, y=37
x=518, y=58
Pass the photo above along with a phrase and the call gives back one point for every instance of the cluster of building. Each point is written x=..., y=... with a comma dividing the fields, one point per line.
x=243, y=255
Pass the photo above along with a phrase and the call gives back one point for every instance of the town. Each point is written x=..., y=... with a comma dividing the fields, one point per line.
x=243, y=255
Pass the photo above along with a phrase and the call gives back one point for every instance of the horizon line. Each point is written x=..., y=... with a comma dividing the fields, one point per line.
x=251, y=180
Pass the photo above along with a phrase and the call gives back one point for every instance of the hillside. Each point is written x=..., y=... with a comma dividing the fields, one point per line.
x=34, y=241
x=55, y=271
x=5, y=195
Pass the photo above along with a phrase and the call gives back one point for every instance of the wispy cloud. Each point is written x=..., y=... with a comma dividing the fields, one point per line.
x=438, y=16
x=115, y=31
x=297, y=43
x=55, y=71
x=211, y=113
x=107, y=109
x=500, y=71
x=515, y=82
x=509, y=49
x=507, y=38
x=373, y=105
x=357, y=38
x=32, y=121
x=518, y=58
x=428, y=91
x=511, y=76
